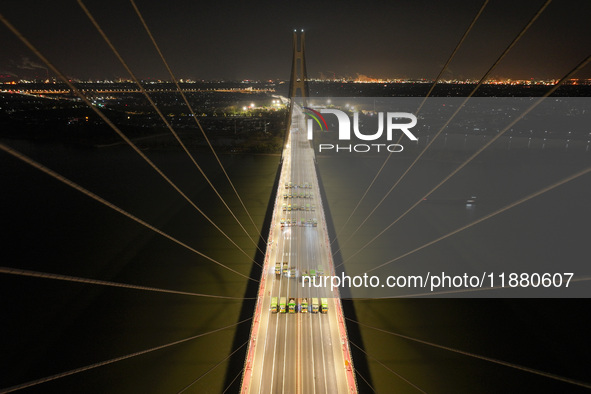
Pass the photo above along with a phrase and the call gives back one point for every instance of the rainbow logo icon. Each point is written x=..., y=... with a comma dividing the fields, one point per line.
x=317, y=117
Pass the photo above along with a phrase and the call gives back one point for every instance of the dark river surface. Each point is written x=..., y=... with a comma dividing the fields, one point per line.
x=52, y=326
x=549, y=233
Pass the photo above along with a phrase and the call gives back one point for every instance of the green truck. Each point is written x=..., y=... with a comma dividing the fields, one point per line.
x=277, y=268
x=305, y=277
x=304, y=305
x=314, y=305
x=291, y=305
x=274, y=305
x=282, y=305
x=323, y=305
x=285, y=268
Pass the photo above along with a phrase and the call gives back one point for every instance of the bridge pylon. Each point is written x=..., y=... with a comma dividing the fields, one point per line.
x=298, y=85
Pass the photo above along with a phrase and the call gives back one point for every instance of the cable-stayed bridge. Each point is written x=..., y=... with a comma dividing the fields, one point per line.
x=303, y=351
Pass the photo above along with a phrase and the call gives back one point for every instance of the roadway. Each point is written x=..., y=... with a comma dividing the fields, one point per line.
x=301, y=352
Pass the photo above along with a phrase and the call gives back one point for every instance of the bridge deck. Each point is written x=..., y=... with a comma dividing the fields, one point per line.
x=300, y=352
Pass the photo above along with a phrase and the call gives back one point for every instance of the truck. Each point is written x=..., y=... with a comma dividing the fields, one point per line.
x=292, y=272
x=312, y=273
x=274, y=305
x=285, y=268
x=277, y=268
x=304, y=305
x=314, y=222
x=320, y=270
x=284, y=207
x=314, y=305
x=289, y=207
x=324, y=305
x=305, y=277
x=291, y=305
x=282, y=305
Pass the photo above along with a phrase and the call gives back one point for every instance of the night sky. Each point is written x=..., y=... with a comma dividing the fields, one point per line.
x=236, y=40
